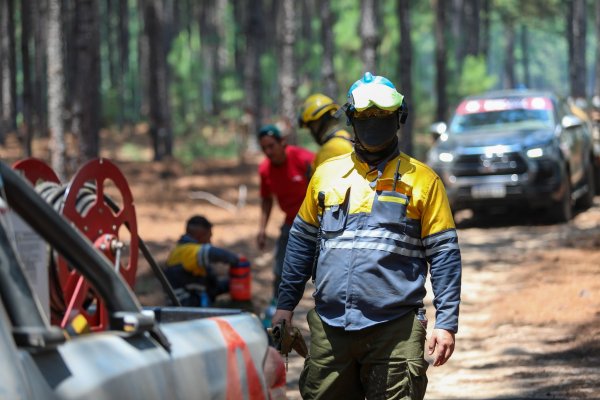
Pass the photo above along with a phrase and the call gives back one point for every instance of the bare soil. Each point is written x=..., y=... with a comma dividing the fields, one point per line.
x=530, y=313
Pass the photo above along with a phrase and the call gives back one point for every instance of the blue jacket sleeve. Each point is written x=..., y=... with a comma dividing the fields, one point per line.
x=298, y=263
x=443, y=255
x=209, y=254
x=217, y=254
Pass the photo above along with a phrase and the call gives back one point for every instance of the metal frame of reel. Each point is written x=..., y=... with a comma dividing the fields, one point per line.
x=83, y=202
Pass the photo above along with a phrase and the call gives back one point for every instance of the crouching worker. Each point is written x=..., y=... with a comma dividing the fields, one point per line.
x=189, y=269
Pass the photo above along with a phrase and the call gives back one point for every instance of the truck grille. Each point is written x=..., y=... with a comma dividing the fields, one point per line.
x=479, y=164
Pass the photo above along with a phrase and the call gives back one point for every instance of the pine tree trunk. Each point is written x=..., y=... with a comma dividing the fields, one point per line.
x=369, y=21
x=577, y=66
x=8, y=93
x=27, y=128
x=455, y=15
x=56, y=91
x=254, y=35
x=124, y=105
x=271, y=44
x=240, y=17
x=40, y=29
x=287, y=72
x=327, y=21
x=221, y=30
x=440, y=60
x=208, y=54
x=110, y=39
x=160, y=112
x=405, y=53
x=142, y=95
x=509, y=55
x=484, y=43
x=525, y=55
x=69, y=18
x=87, y=104
x=597, y=21
x=472, y=27
x=306, y=39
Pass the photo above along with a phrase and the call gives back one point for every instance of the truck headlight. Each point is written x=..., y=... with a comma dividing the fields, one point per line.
x=446, y=157
x=546, y=151
x=536, y=152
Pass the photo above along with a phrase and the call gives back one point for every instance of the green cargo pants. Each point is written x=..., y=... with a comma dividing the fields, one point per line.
x=384, y=361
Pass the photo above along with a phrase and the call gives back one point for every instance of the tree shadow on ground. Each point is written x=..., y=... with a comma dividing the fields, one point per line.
x=579, y=360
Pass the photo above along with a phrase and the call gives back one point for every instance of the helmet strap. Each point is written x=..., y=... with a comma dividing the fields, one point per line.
x=321, y=127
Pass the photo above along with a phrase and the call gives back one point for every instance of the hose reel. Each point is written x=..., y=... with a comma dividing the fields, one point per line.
x=105, y=223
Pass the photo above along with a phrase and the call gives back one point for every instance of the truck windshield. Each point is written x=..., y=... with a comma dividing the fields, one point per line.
x=502, y=120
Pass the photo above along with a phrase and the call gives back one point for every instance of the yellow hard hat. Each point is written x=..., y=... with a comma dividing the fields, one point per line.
x=315, y=107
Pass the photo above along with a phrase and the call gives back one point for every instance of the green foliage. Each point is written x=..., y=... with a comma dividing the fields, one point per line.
x=390, y=37
x=110, y=106
x=209, y=142
x=347, y=63
x=185, y=100
x=474, y=78
x=132, y=152
x=270, y=84
x=122, y=99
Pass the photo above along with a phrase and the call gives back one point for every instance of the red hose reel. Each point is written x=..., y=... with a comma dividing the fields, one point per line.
x=83, y=202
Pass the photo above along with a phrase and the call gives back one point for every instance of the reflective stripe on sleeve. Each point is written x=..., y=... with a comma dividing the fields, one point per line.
x=204, y=250
x=304, y=230
x=431, y=240
x=443, y=241
x=443, y=247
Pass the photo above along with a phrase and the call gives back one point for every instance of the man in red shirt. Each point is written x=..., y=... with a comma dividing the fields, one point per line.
x=284, y=175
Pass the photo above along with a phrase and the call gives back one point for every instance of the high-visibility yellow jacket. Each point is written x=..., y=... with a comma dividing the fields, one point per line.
x=189, y=263
x=336, y=143
x=375, y=243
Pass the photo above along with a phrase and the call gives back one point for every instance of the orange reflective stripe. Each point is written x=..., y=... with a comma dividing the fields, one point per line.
x=235, y=342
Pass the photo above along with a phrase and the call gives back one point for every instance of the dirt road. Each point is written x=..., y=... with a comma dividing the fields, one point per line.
x=530, y=315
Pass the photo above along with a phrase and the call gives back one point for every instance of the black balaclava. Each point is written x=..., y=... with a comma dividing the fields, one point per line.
x=376, y=138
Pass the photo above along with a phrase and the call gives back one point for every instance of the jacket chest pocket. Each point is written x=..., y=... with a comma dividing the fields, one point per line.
x=389, y=210
x=335, y=216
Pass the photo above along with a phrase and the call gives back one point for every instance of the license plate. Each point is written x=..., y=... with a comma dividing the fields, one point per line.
x=488, y=191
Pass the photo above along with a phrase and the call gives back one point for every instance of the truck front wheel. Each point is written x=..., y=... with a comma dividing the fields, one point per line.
x=561, y=211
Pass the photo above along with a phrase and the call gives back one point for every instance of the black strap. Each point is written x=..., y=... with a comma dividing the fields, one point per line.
x=332, y=134
x=321, y=200
x=397, y=175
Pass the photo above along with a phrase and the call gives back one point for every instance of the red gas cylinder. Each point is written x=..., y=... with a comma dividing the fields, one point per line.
x=239, y=280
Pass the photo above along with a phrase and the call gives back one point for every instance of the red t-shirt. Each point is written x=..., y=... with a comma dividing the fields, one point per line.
x=287, y=182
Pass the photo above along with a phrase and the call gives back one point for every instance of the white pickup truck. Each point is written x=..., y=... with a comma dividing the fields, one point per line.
x=156, y=353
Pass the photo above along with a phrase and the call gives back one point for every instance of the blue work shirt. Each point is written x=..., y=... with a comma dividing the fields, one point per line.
x=378, y=235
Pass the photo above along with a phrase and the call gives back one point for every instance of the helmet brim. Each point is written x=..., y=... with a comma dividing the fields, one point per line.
x=376, y=95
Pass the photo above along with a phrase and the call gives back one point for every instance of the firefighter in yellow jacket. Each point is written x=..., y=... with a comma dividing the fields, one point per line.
x=373, y=224
x=318, y=115
x=189, y=265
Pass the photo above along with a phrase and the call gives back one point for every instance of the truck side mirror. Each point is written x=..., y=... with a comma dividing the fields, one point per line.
x=571, y=121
